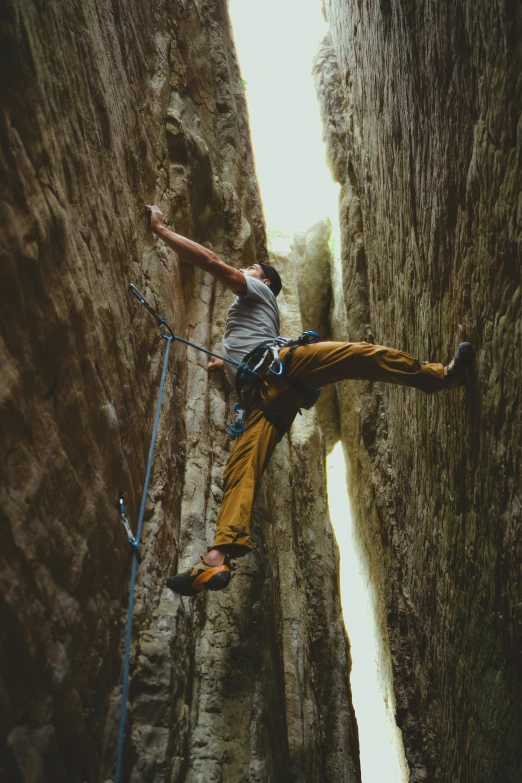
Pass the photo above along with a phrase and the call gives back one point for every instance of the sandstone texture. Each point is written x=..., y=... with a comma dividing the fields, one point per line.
x=106, y=106
x=422, y=115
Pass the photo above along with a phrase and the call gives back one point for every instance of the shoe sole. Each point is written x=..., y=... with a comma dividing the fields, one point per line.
x=180, y=587
x=219, y=581
x=466, y=358
x=212, y=581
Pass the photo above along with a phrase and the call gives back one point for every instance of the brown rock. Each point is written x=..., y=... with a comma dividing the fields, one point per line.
x=421, y=104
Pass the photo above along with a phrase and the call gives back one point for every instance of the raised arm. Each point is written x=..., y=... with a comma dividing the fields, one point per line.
x=195, y=254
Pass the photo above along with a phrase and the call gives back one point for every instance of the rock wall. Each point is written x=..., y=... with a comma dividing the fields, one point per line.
x=422, y=115
x=106, y=106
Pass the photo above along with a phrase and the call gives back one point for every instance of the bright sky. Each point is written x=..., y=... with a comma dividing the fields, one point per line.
x=382, y=754
x=276, y=41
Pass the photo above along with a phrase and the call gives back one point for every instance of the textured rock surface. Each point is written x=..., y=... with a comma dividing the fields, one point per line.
x=422, y=105
x=105, y=106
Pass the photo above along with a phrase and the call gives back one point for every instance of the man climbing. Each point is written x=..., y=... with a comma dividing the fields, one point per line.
x=272, y=403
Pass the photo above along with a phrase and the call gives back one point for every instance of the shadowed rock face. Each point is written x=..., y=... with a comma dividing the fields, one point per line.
x=105, y=107
x=421, y=105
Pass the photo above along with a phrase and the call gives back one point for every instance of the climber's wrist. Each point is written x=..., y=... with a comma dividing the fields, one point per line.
x=160, y=229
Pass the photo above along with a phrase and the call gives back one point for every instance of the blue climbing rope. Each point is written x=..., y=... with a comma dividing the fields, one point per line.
x=135, y=560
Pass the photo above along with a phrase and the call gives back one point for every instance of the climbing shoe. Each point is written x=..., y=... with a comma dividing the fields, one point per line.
x=201, y=577
x=457, y=369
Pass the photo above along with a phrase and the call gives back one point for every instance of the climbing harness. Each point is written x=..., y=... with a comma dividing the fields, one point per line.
x=250, y=367
x=250, y=375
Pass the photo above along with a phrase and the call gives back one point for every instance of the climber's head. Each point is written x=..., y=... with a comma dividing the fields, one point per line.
x=267, y=274
x=272, y=275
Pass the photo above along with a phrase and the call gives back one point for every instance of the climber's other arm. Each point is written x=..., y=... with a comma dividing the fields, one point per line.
x=195, y=254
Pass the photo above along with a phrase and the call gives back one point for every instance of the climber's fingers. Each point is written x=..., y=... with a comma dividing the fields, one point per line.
x=215, y=364
x=154, y=215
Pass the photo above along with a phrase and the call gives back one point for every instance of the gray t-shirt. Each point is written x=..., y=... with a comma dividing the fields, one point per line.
x=252, y=318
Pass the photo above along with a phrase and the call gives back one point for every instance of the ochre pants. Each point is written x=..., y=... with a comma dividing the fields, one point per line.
x=311, y=366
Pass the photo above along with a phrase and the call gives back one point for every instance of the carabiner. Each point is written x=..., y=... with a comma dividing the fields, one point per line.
x=307, y=338
x=130, y=536
x=276, y=365
x=235, y=429
x=237, y=426
x=160, y=321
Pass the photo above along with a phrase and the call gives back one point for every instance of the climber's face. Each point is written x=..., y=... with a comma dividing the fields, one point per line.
x=256, y=270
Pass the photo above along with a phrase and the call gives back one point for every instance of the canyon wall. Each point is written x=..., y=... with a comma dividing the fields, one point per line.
x=106, y=106
x=422, y=115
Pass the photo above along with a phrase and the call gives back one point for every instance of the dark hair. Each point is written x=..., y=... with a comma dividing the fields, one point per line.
x=273, y=276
